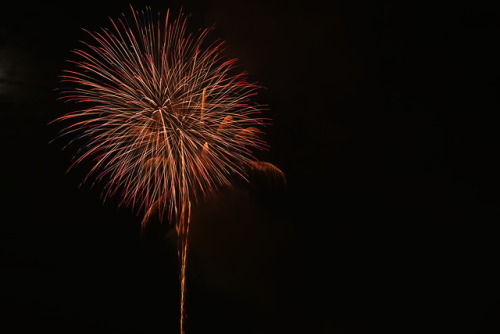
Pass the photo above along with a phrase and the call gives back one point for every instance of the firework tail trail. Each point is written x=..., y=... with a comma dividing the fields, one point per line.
x=183, y=234
x=164, y=120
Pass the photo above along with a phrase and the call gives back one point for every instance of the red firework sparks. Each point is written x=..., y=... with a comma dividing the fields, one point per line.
x=166, y=119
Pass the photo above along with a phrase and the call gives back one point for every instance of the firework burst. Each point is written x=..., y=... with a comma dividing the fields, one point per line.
x=165, y=118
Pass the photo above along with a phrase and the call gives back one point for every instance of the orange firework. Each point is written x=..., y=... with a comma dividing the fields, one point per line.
x=165, y=118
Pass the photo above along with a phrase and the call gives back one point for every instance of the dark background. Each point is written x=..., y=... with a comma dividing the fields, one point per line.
x=385, y=122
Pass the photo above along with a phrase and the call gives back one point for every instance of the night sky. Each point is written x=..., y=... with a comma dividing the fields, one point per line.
x=386, y=118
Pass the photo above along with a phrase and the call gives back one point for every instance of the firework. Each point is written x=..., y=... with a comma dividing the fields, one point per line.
x=164, y=116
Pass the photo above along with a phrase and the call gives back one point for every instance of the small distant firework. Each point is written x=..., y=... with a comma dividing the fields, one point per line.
x=164, y=118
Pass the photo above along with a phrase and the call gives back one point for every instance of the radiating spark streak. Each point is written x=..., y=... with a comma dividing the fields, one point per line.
x=164, y=119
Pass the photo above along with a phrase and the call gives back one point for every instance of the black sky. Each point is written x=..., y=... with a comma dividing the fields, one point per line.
x=385, y=122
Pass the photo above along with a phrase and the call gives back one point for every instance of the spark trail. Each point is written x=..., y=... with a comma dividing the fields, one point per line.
x=164, y=116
